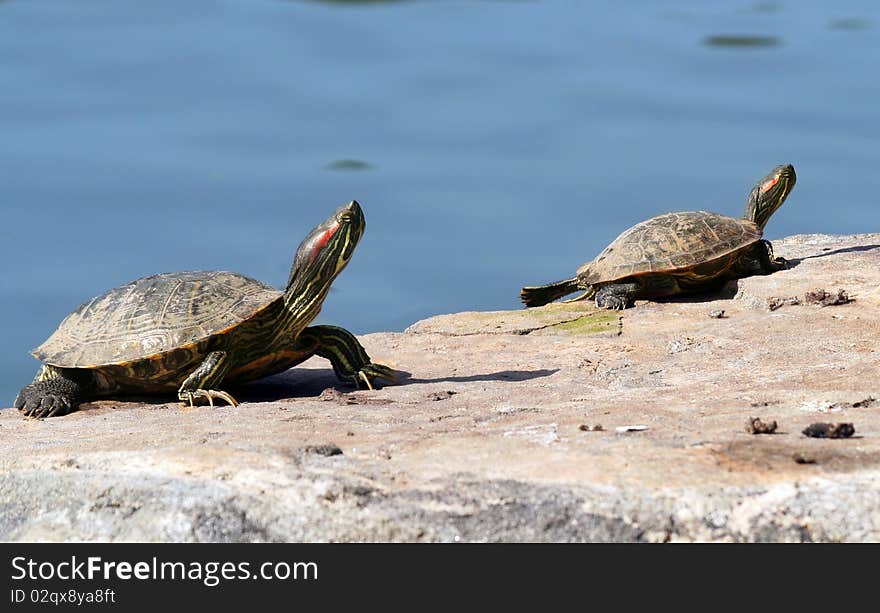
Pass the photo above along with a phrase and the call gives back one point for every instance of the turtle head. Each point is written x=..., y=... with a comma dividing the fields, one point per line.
x=769, y=193
x=321, y=257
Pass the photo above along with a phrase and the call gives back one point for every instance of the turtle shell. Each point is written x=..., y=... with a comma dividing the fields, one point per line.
x=670, y=243
x=154, y=315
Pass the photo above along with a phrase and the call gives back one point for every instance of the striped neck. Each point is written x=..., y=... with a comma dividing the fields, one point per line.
x=769, y=193
x=321, y=256
x=301, y=307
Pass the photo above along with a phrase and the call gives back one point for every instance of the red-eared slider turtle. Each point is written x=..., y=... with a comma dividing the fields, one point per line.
x=198, y=332
x=681, y=252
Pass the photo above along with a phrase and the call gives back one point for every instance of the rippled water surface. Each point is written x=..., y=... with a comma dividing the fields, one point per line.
x=491, y=143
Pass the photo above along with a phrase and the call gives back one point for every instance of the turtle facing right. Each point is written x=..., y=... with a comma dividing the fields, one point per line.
x=675, y=253
x=197, y=332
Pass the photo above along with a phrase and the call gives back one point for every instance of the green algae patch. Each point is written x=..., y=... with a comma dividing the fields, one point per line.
x=560, y=318
x=593, y=323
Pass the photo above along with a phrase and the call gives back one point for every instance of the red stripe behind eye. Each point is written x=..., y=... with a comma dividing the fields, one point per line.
x=769, y=184
x=322, y=242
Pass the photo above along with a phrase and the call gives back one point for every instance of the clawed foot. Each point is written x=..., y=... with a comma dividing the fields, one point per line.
x=371, y=371
x=612, y=301
x=37, y=404
x=191, y=396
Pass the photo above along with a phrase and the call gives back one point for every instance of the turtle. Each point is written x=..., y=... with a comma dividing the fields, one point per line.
x=198, y=332
x=680, y=252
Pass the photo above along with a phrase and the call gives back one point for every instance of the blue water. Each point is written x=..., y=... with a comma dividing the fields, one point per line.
x=491, y=143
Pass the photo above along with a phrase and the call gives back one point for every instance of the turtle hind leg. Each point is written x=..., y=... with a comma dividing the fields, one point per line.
x=539, y=295
x=54, y=392
x=617, y=296
x=200, y=383
x=347, y=356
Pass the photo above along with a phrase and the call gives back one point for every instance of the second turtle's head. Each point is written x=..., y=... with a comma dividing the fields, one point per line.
x=325, y=252
x=769, y=193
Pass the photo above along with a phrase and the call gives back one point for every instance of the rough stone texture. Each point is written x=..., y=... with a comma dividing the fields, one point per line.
x=482, y=440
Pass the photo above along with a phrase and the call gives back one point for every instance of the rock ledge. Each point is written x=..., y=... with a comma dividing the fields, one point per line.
x=484, y=441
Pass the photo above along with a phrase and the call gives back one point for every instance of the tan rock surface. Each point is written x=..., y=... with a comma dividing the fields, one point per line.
x=483, y=440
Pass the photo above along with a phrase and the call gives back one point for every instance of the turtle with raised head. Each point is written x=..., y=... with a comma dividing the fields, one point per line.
x=683, y=252
x=196, y=333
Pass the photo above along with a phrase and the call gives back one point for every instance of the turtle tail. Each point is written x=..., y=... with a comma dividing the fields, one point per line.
x=542, y=294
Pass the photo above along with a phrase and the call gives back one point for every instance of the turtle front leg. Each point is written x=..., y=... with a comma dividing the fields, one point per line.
x=617, y=296
x=54, y=392
x=768, y=262
x=759, y=260
x=348, y=357
x=199, y=385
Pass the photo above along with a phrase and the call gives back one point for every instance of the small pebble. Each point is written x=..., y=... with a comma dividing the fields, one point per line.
x=326, y=450
x=778, y=302
x=717, y=314
x=755, y=425
x=630, y=428
x=825, y=298
x=802, y=459
x=825, y=430
x=441, y=395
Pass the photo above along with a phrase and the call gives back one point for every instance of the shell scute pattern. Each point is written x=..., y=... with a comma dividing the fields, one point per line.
x=670, y=242
x=152, y=316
